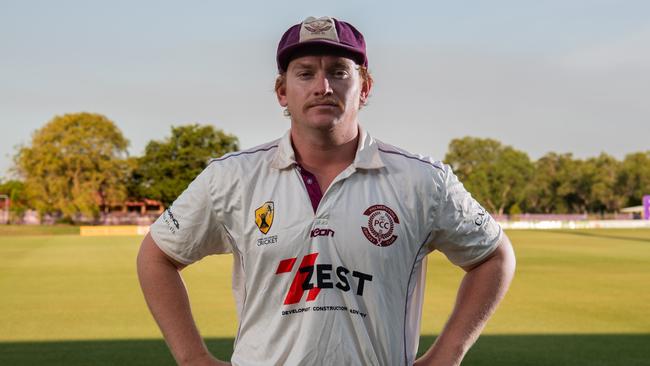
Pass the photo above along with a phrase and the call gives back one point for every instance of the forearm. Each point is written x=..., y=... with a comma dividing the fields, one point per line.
x=167, y=298
x=481, y=290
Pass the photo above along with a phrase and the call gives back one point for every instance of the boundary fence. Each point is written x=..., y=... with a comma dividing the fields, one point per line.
x=116, y=230
x=570, y=225
x=113, y=230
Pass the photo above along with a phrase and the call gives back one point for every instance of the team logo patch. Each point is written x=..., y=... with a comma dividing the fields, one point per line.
x=264, y=216
x=381, y=225
x=318, y=26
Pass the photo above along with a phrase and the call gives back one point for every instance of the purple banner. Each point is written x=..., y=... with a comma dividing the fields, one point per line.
x=646, y=207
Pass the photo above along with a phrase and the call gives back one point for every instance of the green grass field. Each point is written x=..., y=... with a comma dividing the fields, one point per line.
x=579, y=298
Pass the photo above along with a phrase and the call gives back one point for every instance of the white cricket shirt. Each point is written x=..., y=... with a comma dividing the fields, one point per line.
x=331, y=279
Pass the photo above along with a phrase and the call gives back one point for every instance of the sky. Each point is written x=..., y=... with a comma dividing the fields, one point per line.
x=565, y=76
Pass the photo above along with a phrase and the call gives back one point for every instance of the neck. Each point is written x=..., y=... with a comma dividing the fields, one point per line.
x=319, y=150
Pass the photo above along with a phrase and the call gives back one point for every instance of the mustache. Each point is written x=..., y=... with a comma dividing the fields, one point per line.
x=326, y=101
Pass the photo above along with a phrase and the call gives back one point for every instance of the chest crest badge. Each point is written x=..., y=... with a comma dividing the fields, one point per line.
x=264, y=216
x=381, y=225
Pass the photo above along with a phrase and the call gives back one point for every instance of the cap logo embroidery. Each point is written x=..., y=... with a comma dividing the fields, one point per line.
x=264, y=216
x=318, y=25
x=321, y=28
x=381, y=225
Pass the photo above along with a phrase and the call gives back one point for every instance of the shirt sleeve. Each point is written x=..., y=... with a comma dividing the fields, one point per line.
x=192, y=227
x=463, y=230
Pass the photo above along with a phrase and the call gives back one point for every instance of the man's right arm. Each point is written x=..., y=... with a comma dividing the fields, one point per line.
x=167, y=298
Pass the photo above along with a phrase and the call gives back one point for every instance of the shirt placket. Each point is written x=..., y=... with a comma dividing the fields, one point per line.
x=312, y=186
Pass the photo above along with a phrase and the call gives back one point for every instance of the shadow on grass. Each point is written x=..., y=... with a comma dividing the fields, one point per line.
x=490, y=350
x=598, y=235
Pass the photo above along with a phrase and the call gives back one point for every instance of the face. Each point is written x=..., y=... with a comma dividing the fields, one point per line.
x=322, y=92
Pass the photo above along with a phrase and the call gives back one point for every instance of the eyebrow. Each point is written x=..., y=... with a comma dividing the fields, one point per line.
x=340, y=63
x=303, y=65
x=335, y=64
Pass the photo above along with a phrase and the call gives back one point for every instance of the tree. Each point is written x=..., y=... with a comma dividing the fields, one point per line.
x=600, y=179
x=634, y=178
x=168, y=166
x=74, y=165
x=562, y=184
x=15, y=190
x=552, y=187
x=496, y=175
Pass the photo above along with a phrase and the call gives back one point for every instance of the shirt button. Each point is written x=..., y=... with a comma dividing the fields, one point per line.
x=309, y=181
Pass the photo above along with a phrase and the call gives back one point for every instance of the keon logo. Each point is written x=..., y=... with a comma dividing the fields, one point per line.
x=321, y=232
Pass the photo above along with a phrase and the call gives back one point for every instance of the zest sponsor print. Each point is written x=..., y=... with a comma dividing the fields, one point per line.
x=313, y=278
x=324, y=308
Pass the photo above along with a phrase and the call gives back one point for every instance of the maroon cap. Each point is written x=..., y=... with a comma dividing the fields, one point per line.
x=321, y=35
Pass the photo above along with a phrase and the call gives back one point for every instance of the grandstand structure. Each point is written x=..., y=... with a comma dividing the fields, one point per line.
x=142, y=212
x=134, y=212
x=635, y=211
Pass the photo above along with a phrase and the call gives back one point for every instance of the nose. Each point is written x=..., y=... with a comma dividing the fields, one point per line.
x=322, y=86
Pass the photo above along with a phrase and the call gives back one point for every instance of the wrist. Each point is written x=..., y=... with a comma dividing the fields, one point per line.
x=197, y=359
x=443, y=353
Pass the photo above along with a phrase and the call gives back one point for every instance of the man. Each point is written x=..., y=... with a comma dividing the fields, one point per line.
x=329, y=231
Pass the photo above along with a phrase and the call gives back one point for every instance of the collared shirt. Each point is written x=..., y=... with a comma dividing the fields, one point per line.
x=334, y=277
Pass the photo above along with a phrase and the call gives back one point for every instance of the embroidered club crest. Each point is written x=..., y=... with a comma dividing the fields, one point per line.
x=381, y=225
x=318, y=26
x=264, y=216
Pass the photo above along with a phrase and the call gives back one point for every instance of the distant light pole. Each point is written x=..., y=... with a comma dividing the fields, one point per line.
x=5, y=212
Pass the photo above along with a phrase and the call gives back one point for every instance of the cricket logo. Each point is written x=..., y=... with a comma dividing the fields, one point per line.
x=381, y=225
x=264, y=216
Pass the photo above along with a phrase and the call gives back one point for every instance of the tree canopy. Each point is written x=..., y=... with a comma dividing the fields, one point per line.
x=168, y=166
x=634, y=180
x=495, y=174
x=506, y=181
x=77, y=163
x=74, y=164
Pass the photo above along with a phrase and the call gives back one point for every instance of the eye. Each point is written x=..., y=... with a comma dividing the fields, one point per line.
x=303, y=75
x=341, y=73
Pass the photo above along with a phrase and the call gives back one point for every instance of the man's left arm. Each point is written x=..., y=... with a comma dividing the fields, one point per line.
x=480, y=291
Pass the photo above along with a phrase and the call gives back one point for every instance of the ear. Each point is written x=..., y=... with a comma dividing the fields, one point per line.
x=366, y=86
x=281, y=92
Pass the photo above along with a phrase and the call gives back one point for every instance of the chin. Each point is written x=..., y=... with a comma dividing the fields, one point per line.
x=324, y=125
x=322, y=121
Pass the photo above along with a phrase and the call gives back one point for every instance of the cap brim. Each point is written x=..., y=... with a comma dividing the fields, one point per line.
x=318, y=46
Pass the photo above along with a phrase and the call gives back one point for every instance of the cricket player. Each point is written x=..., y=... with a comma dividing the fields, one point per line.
x=329, y=230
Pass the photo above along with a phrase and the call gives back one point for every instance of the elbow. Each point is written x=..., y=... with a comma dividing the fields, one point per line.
x=508, y=259
x=141, y=259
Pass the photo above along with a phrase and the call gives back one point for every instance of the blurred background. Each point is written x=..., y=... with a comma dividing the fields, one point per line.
x=109, y=109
